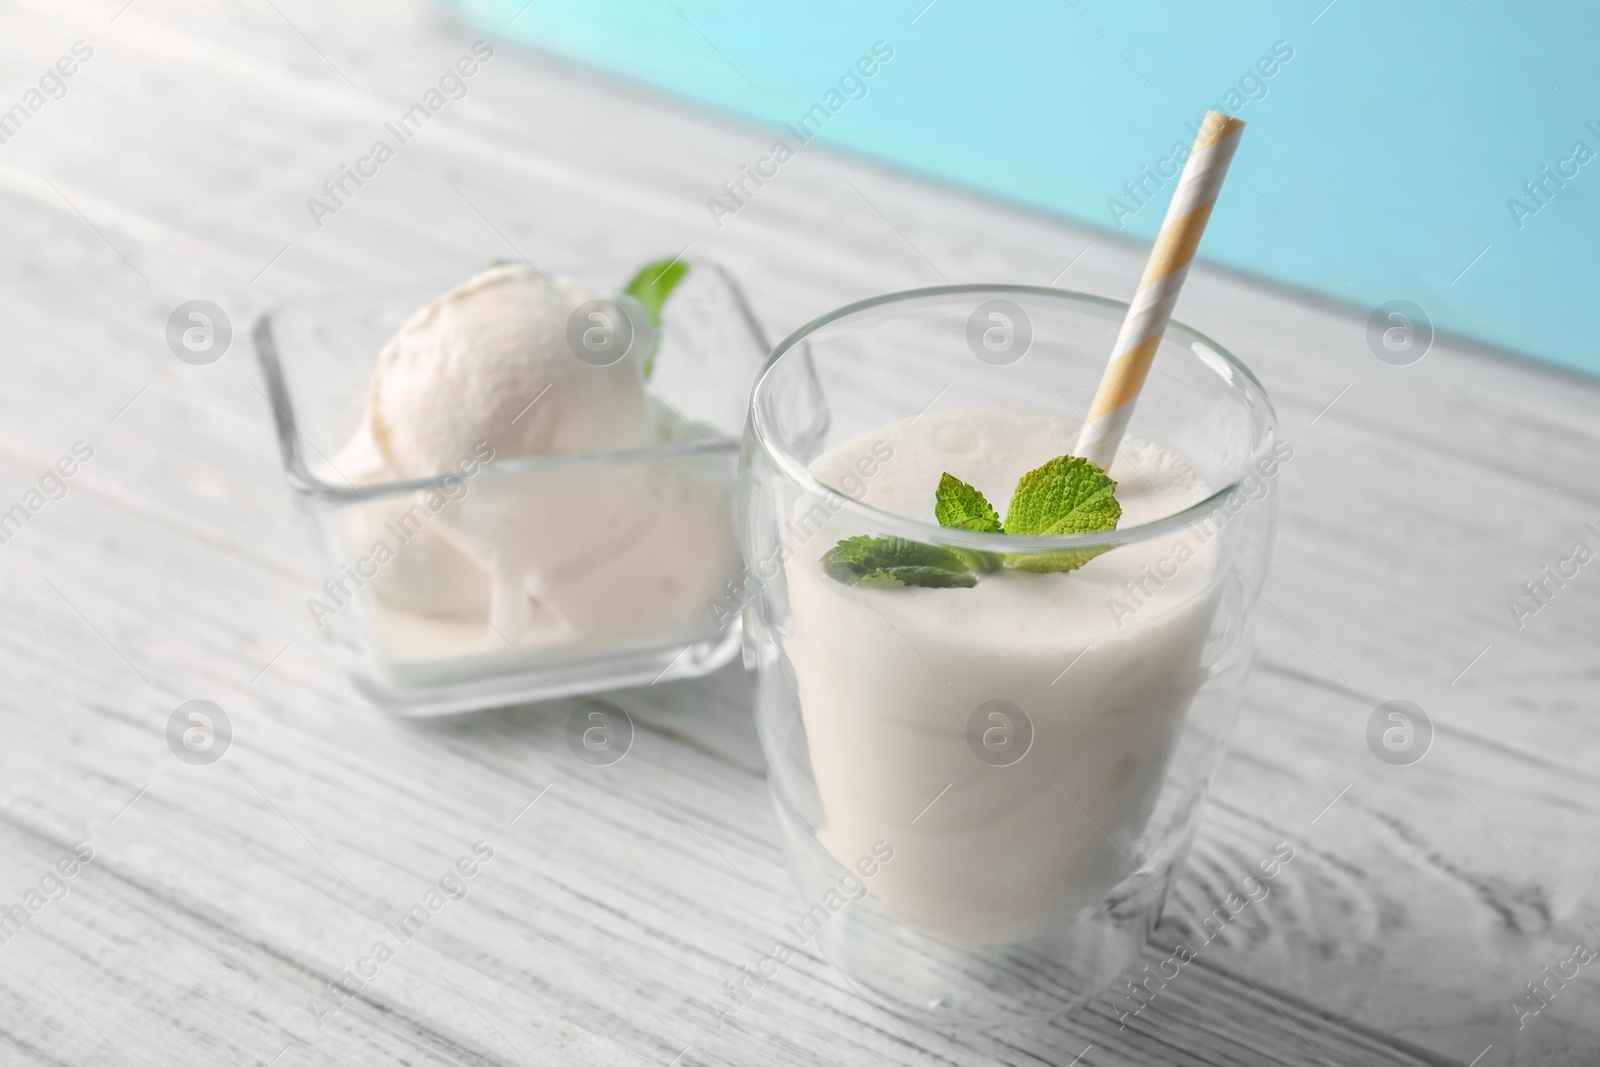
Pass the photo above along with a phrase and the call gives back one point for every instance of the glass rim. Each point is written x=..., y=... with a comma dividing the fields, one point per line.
x=926, y=531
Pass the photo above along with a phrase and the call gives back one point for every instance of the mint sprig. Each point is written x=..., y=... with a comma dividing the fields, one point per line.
x=1067, y=495
x=654, y=283
x=1064, y=496
x=651, y=287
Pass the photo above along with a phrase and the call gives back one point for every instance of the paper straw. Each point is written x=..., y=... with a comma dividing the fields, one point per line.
x=1158, y=289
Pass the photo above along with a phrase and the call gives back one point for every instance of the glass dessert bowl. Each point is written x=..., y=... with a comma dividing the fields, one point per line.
x=1026, y=721
x=523, y=489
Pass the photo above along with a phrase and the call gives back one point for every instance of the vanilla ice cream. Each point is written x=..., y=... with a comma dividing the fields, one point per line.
x=502, y=570
x=466, y=368
x=889, y=681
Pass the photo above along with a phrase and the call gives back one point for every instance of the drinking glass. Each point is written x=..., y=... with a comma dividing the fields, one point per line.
x=984, y=819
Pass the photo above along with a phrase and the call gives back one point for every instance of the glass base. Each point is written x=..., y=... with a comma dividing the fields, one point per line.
x=958, y=988
x=550, y=682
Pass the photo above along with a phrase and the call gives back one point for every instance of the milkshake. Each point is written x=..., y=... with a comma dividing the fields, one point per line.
x=1008, y=737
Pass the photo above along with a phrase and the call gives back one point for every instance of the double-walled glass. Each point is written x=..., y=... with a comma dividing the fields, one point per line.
x=986, y=793
x=627, y=556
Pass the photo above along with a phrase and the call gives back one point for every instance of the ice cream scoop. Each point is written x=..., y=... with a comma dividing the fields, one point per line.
x=527, y=364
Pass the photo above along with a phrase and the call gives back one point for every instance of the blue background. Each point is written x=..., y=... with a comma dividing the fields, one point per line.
x=1377, y=165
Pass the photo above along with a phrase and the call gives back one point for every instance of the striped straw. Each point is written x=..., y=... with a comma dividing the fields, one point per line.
x=1158, y=289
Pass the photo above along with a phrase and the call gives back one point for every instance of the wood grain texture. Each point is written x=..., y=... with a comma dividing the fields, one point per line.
x=225, y=898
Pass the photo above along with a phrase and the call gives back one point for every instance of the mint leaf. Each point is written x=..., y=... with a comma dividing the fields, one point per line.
x=651, y=287
x=1067, y=495
x=654, y=283
x=1067, y=559
x=960, y=506
x=891, y=562
x=931, y=577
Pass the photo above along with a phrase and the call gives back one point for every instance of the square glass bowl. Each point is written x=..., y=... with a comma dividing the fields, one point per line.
x=629, y=555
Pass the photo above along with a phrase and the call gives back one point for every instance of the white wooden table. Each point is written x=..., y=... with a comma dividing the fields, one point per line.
x=221, y=900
